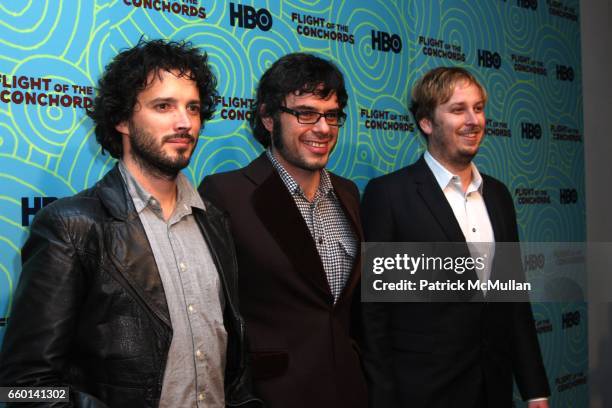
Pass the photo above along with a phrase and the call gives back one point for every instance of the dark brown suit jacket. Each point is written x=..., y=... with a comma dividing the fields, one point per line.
x=301, y=350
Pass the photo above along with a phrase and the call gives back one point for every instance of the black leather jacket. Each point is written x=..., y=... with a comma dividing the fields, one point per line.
x=90, y=313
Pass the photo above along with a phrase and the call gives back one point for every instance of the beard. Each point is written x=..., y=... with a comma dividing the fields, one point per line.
x=290, y=155
x=445, y=146
x=277, y=130
x=148, y=153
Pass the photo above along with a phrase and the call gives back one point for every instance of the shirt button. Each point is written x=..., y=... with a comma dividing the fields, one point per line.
x=183, y=266
x=201, y=396
x=199, y=354
x=473, y=229
x=190, y=308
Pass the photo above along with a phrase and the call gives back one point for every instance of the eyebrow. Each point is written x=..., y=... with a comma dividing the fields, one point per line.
x=169, y=100
x=458, y=104
x=312, y=108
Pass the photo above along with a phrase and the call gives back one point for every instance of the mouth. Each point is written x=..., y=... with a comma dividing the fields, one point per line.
x=181, y=140
x=471, y=134
x=317, y=146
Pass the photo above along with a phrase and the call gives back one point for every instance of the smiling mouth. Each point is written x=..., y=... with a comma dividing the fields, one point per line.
x=472, y=132
x=315, y=144
x=471, y=136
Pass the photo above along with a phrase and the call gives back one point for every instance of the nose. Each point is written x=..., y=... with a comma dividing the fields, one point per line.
x=471, y=117
x=182, y=120
x=321, y=126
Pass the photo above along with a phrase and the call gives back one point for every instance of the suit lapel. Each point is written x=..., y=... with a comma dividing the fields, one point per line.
x=434, y=198
x=280, y=215
x=430, y=191
x=351, y=210
x=493, y=209
x=350, y=207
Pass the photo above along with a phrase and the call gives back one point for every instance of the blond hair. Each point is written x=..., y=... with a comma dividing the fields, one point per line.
x=436, y=87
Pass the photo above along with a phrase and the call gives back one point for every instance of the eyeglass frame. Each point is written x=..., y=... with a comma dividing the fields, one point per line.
x=341, y=116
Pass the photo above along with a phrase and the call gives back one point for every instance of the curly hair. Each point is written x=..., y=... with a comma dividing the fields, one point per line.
x=297, y=73
x=129, y=73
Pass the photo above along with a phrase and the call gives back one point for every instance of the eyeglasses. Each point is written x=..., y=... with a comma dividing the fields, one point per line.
x=312, y=117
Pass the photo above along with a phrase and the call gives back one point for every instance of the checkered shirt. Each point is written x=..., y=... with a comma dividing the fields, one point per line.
x=328, y=225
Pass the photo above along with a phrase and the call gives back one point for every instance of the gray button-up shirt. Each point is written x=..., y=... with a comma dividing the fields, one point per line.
x=194, y=374
x=330, y=229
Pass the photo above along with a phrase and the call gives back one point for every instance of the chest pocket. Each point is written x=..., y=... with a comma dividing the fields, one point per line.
x=348, y=248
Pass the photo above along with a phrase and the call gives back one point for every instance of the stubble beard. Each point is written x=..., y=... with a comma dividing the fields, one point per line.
x=148, y=154
x=294, y=159
x=461, y=157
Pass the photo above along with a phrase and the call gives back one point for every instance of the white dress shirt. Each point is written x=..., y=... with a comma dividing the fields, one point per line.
x=470, y=211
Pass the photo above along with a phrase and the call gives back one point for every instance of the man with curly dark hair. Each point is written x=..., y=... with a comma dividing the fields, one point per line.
x=127, y=291
x=297, y=232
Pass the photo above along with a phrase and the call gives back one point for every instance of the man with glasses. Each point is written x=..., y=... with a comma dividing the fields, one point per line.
x=297, y=233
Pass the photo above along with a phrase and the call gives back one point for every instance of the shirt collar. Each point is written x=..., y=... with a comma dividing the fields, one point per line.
x=445, y=177
x=325, y=185
x=187, y=197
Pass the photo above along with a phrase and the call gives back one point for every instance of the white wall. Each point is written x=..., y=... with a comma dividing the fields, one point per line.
x=596, y=37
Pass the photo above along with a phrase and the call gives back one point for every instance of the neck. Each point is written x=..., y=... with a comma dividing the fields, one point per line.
x=164, y=189
x=463, y=170
x=308, y=183
x=308, y=180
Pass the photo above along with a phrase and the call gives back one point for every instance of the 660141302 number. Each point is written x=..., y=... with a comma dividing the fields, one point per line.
x=34, y=394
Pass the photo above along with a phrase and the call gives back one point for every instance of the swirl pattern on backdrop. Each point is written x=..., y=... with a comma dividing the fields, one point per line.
x=527, y=57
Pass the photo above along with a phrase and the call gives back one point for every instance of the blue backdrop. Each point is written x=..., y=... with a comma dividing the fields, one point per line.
x=526, y=52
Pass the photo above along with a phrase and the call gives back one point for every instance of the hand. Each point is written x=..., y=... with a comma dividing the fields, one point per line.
x=538, y=404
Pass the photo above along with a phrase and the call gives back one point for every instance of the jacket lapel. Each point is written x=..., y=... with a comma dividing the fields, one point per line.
x=351, y=210
x=433, y=196
x=128, y=248
x=281, y=217
x=212, y=226
x=493, y=209
x=430, y=191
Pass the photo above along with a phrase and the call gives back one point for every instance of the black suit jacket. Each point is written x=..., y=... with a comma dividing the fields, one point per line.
x=443, y=354
x=301, y=350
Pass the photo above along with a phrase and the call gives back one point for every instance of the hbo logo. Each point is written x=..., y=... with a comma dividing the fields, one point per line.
x=568, y=196
x=386, y=42
x=489, y=59
x=570, y=319
x=534, y=261
x=249, y=18
x=528, y=4
x=565, y=73
x=531, y=130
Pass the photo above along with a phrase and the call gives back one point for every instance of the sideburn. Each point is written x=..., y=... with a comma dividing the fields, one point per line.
x=277, y=140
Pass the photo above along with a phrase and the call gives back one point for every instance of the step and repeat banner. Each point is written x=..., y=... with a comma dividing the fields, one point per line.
x=525, y=52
